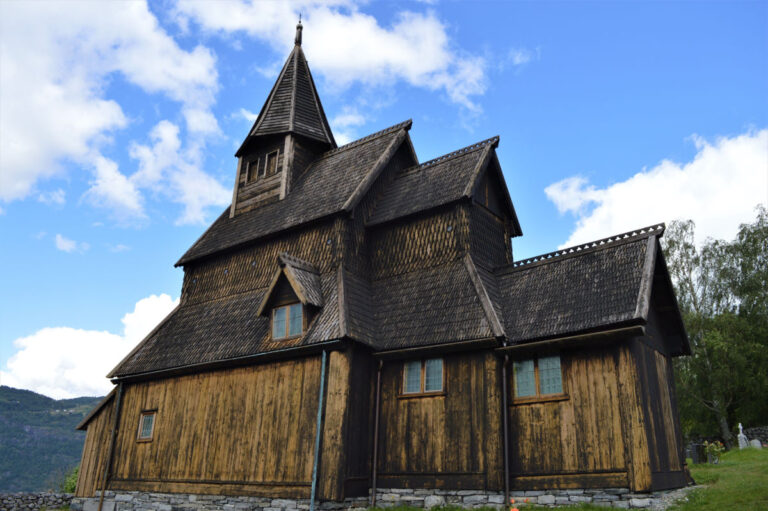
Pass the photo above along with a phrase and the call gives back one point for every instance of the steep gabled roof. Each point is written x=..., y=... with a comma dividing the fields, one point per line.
x=448, y=178
x=578, y=289
x=293, y=105
x=302, y=276
x=330, y=185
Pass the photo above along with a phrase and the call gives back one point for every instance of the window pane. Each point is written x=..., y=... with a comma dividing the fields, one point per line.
x=525, y=383
x=412, y=377
x=278, y=323
x=271, y=163
x=296, y=320
x=146, y=425
x=550, y=376
x=433, y=377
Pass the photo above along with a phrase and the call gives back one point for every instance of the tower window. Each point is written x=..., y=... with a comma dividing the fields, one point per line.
x=271, y=166
x=252, y=172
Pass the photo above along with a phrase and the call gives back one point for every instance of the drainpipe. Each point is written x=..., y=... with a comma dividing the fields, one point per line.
x=111, y=452
x=505, y=414
x=376, y=435
x=318, y=431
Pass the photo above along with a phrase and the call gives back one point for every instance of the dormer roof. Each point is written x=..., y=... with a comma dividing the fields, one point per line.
x=303, y=277
x=293, y=105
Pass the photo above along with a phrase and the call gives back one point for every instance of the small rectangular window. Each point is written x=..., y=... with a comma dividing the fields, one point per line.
x=296, y=320
x=271, y=166
x=146, y=425
x=287, y=321
x=278, y=322
x=550, y=375
x=433, y=375
x=412, y=377
x=252, y=171
x=423, y=376
x=525, y=378
x=538, y=378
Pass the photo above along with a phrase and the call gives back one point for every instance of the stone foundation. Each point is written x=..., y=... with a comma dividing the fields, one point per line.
x=386, y=497
x=27, y=501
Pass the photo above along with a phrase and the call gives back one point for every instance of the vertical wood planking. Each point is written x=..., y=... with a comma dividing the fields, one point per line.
x=333, y=460
x=632, y=419
x=95, y=452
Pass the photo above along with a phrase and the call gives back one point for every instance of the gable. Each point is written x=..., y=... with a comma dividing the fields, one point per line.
x=492, y=193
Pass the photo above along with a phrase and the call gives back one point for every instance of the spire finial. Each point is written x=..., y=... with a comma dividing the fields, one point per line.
x=297, y=41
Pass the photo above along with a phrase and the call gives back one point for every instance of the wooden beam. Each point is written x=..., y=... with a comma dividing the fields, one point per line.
x=615, y=334
x=646, y=281
x=485, y=300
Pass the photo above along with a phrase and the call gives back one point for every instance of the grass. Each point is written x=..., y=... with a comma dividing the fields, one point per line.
x=738, y=482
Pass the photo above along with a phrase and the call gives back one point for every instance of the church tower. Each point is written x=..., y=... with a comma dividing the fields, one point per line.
x=289, y=133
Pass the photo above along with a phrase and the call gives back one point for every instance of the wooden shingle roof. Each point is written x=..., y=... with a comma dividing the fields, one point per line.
x=330, y=185
x=434, y=183
x=293, y=105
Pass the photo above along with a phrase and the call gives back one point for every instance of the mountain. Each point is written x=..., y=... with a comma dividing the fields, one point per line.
x=38, y=441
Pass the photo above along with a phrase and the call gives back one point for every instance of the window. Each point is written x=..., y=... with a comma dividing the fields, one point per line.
x=146, y=425
x=271, y=166
x=252, y=171
x=537, y=377
x=423, y=376
x=287, y=321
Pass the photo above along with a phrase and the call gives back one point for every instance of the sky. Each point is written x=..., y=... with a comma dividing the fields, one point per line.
x=119, y=122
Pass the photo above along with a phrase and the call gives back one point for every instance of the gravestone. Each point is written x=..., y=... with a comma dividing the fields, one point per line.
x=756, y=443
x=743, y=442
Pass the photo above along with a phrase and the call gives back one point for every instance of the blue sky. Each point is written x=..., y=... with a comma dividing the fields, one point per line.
x=119, y=121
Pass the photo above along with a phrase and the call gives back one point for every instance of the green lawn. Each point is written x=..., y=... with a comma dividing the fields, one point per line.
x=738, y=482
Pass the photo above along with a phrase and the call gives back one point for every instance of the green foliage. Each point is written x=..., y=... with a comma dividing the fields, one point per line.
x=69, y=483
x=714, y=450
x=722, y=290
x=736, y=483
x=38, y=440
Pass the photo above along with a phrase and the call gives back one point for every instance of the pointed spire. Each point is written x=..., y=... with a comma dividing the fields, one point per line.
x=297, y=41
x=293, y=105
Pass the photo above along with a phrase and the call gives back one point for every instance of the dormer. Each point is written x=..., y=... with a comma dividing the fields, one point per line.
x=289, y=133
x=293, y=298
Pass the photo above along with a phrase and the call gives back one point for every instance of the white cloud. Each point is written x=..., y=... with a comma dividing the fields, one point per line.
x=522, y=56
x=718, y=189
x=58, y=59
x=119, y=248
x=175, y=172
x=67, y=245
x=56, y=197
x=65, y=362
x=248, y=115
x=348, y=46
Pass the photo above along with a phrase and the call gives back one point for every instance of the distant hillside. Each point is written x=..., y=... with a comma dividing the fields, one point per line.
x=38, y=441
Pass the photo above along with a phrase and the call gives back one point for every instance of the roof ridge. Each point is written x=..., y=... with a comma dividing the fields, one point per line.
x=453, y=154
x=291, y=260
x=364, y=139
x=590, y=245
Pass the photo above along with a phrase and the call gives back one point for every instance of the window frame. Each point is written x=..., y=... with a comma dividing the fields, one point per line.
x=539, y=397
x=250, y=166
x=287, y=308
x=142, y=414
x=276, y=153
x=422, y=380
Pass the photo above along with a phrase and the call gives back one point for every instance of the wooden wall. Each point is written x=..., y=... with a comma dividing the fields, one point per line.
x=247, y=430
x=94, y=459
x=659, y=405
x=451, y=440
x=576, y=442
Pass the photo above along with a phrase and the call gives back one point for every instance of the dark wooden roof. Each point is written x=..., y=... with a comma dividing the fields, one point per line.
x=433, y=183
x=293, y=105
x=330, y=185
x=590, y=287
x=578, y=289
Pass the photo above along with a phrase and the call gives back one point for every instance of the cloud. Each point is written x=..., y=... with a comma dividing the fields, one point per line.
x=67, y=245
x=119, y=248
x=58, y=60
x=65, y=362
x=247, y=115
x=56, y=197
x=522, y=56
x=344, y=123
x=718, y=189
x=347, y=46
x=175, y=172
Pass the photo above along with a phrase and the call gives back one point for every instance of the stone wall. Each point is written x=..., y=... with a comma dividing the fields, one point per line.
x=386, y=497
x=27, y=501
x=760, y=433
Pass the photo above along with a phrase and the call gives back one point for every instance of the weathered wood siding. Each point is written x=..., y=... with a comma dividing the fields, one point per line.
x=247, y=430
x=576, y=442
x=451, y=440
x=94, y=459
x=662, y=425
